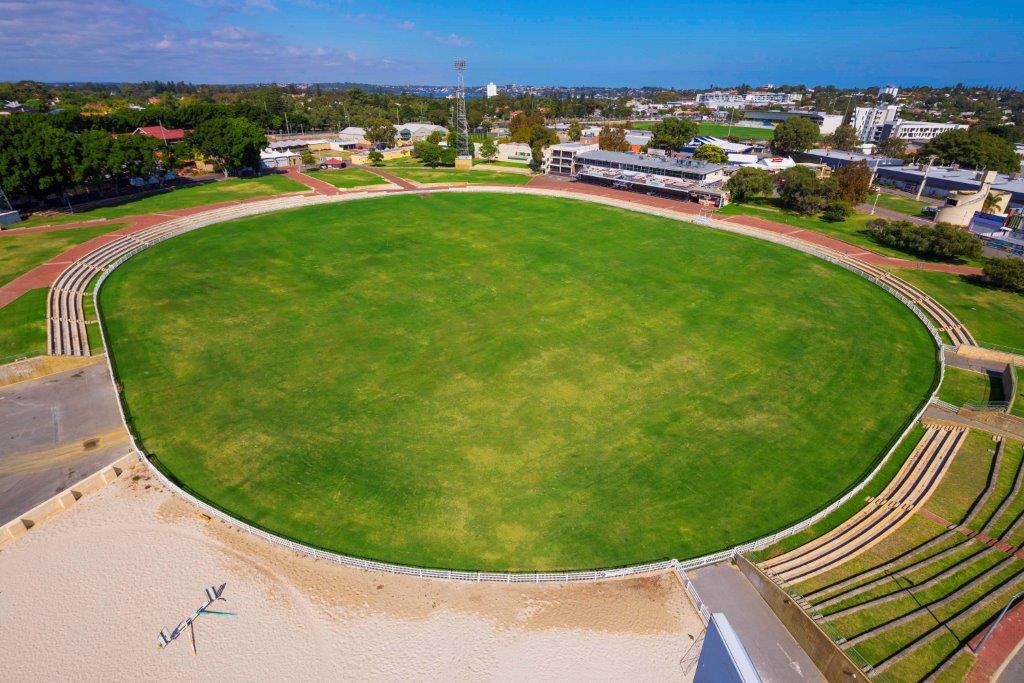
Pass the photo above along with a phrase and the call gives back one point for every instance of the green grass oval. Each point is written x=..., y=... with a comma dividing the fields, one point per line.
x=490, y=381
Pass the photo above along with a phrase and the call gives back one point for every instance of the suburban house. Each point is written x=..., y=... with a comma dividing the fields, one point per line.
x=168, y=135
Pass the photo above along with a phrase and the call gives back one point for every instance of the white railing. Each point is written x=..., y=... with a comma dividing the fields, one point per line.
x=534, y=577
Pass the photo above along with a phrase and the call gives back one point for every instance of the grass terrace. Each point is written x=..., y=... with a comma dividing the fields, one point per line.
x=993, y=315
x=508, y=382
x=907, y=605
x=187, y=197
x=20, y=253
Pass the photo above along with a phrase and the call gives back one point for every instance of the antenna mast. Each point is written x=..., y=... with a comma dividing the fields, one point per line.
x=460, y=124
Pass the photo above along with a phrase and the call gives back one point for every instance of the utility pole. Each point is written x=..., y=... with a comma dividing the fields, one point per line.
x=924, y=180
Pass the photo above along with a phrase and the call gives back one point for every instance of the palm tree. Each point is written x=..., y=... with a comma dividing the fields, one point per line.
x=991, y=202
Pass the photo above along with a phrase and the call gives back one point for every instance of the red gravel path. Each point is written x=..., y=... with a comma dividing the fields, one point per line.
x=999, y=647
x=971, y=533
x=45, y=274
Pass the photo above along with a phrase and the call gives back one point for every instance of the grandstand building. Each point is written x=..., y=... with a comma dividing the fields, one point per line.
x=689, y=179
x=718, y=99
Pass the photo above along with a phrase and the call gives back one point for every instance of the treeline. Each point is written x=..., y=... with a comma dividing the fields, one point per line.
x=41, y=159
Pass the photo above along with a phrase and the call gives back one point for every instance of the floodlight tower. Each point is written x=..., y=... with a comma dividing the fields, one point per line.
x=463, y=158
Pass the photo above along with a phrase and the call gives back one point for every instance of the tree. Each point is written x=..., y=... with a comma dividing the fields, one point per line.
x=375, y=157
x=93, y=167
x=380, y=133
x=575, y=131
x=36, y=158
x=613, y=139
x=853, y=182
x=892, y=147
x=672, y=133
x=427, y=151
x=1006, y=273
x=972, y=149
x=794, y=135
x=844, y=138
x=308, y=158
x=800, y=190
x=488, y=150
x=233, y=142
x=711, y=153
x=991, y=202
x=749, y=182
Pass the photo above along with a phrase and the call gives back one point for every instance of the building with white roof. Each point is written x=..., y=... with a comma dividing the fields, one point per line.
x=279, y=158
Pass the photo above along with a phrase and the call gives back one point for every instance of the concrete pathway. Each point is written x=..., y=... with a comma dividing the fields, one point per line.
x=775, y=654
x=990, y=422
x=55, y=431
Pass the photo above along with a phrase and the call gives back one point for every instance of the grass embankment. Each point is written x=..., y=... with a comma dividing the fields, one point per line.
x=345, y=178
x=937, y=631
x=23, y=326
x=508, y=382
x=853, y=230
x=993, y=315
x=963, y=386
x=189, y=196
x=21, y=253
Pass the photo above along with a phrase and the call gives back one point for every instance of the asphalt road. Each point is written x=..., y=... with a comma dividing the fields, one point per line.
x=775, y=654
x=55, y=431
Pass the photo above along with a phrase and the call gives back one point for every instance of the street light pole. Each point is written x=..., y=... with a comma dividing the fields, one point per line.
x=924, y=180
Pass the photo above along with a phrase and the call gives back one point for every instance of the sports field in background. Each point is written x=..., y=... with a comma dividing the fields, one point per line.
x=505, y=382
x=347, y=177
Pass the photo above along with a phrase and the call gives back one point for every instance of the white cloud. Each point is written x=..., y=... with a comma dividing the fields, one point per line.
x=406, y=25
x=452, y=39
x=119, y=40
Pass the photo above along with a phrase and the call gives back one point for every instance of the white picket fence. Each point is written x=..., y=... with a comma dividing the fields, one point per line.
x=539, y=577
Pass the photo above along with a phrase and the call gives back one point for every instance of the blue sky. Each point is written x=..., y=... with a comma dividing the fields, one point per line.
x=675, y=44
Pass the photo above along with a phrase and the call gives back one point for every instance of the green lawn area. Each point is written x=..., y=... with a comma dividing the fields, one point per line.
x=422, y=174
x=505, y=164
x=893, y=202
x=182, y=198
x=993, y=316
x=719, y=130
x=21, y=253
x=352, y=176
x=963, y=386
x=23, y=326
x=506, y=382
x=853, y=230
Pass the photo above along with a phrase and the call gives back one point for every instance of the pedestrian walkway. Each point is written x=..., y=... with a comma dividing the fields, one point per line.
x=1001, y=546
x=774, y=652
x=998, y=650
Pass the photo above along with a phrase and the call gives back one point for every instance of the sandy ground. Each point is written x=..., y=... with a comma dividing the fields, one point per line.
x=86, y=593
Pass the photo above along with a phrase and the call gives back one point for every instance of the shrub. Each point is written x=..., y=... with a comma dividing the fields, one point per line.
x=375, y=157
x=941, y=240
x=1006, y=273
x=836, y=212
